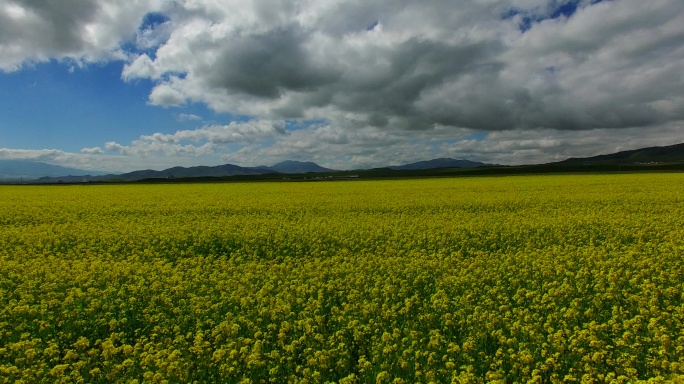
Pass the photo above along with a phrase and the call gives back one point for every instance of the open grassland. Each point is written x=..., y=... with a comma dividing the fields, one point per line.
x=541, y=279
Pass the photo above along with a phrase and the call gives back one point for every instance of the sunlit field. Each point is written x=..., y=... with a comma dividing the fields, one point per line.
x=483, y=279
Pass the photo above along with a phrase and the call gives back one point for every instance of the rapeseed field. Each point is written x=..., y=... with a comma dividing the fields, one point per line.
x=536, y=279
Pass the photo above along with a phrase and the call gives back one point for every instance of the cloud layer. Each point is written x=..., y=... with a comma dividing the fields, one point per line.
x=370, y=81
x=613, y=64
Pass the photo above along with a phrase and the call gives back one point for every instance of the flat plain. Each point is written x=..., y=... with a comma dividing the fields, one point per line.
x=473, y=279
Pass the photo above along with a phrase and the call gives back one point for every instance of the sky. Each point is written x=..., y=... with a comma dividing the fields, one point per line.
x=122, y=85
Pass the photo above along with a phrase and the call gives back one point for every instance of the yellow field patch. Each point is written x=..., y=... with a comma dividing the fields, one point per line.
x=541, y=278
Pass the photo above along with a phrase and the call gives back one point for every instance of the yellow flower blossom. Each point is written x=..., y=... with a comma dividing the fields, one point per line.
x=483, y=279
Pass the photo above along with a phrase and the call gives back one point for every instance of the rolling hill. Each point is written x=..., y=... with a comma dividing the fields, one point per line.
x=290, y=166
x=651, y=155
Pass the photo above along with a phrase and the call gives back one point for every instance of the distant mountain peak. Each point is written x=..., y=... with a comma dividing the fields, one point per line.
x=294, y=166
x=439, y=163
x=294, y=162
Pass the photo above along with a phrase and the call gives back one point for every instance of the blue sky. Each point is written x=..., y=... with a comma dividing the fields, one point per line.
x=58, y=105
x=50, y=106
x=346, y=84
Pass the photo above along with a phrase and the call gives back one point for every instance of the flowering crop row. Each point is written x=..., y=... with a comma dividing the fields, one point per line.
x=509, y=279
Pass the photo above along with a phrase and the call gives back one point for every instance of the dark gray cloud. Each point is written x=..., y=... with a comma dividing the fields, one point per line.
x=80, y=30
x=60, y=27
x=415, y=67
x=265, y=65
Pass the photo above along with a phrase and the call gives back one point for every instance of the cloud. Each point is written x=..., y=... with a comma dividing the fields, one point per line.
x=373, y=83
x=234, y=132
x=166, y=95
x=141, y=67
x=369, y=147
x=114, y=163
x=343, y=148
x=92, y=151
x=605, y=65
x=541, y=146
x=201, y=141
x=80, y=30
x=188, y=117
x=145, y=148
x=28, y=154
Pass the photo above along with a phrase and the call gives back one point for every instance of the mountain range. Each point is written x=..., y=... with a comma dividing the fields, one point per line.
x=288, y=167
x=650, y=155
x=24, y=169
x=14, y=170
x=439, y=163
